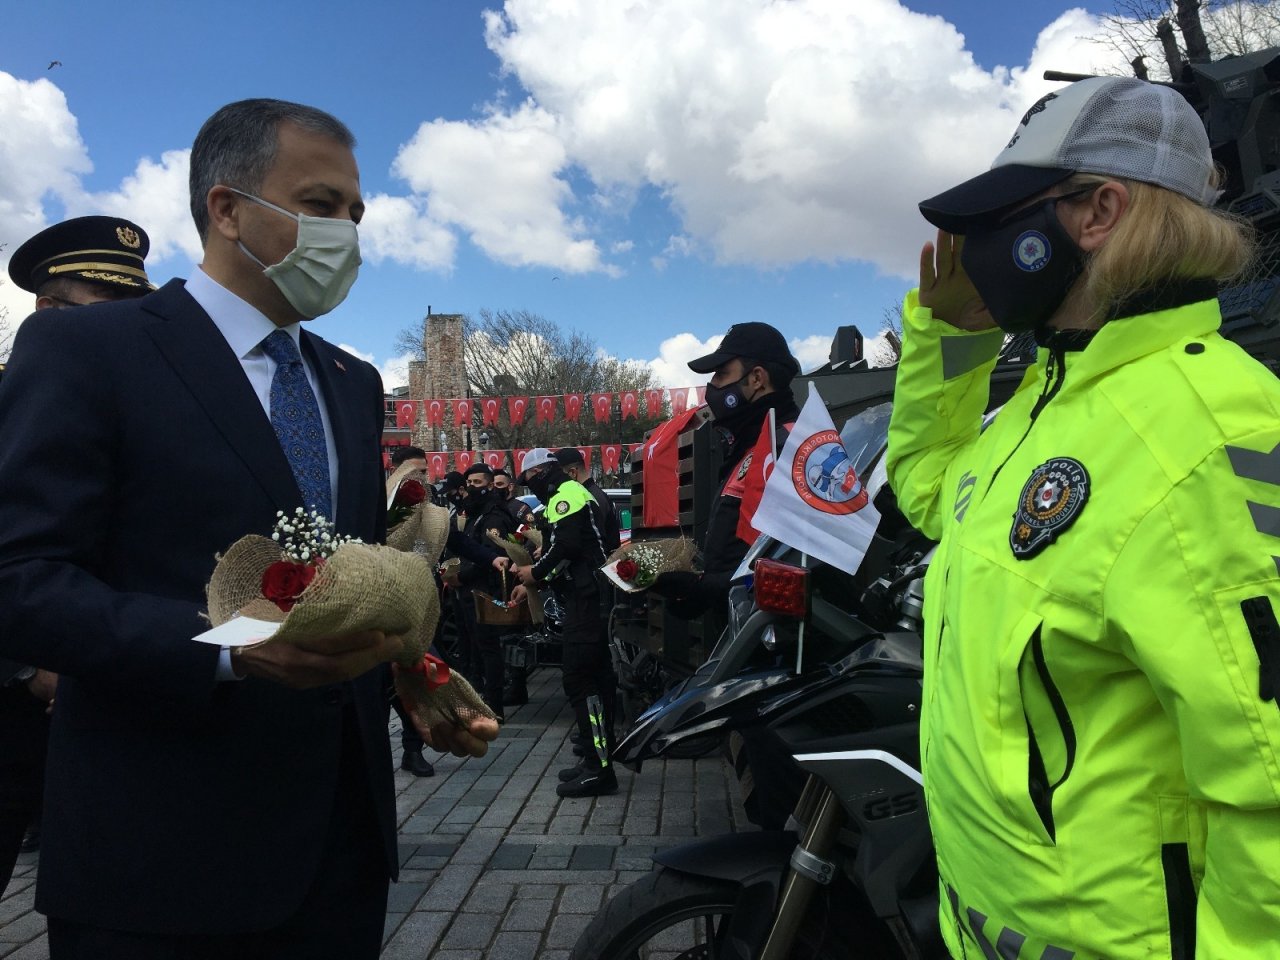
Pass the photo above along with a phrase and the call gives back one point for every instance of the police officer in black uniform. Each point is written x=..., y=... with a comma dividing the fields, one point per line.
x=575, y=468
x=570, y=561
x=752, y=370
x=71, y=264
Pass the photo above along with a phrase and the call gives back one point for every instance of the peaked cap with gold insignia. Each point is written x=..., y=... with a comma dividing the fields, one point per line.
x=99, y=249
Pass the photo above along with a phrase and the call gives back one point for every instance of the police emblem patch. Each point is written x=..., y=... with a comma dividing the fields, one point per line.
x=1031, y=251
x=1050, y=502
x=562, y=507
x=128, y=238
x=746, y=465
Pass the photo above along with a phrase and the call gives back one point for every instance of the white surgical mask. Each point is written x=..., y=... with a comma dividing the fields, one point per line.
x=316, y=275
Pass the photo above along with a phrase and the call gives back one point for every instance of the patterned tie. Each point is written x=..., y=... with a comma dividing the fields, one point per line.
x=295, y=415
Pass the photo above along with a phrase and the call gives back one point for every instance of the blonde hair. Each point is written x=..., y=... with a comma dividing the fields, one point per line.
x=1162, y=237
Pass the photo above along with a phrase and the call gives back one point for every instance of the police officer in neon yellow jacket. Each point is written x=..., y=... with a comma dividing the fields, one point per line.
x=1101, y=728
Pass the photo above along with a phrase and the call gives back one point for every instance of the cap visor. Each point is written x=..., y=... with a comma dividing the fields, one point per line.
x=981, y=198
x=709, y=363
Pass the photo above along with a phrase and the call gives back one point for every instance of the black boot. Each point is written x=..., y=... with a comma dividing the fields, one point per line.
x=592, y=782
x=417, y=764
x=572, y=773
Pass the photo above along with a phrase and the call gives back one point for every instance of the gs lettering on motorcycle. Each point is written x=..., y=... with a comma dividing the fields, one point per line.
x=824, y=476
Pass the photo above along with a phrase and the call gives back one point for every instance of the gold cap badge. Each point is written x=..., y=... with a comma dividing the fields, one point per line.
x=128, y=237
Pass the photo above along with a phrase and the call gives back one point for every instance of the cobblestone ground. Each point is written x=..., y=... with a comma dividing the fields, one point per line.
x=493, y=865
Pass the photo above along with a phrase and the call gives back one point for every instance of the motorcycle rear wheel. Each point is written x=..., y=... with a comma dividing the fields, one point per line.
x=672, y=916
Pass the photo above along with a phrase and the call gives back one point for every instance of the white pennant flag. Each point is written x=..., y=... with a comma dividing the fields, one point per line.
x=814, y=500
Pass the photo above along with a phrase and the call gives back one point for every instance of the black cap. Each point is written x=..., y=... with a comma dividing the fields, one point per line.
x=568, y=456
x=98, y=249
x=756, y=341
x=479, y=467
x=981, y=200
x=452, y=480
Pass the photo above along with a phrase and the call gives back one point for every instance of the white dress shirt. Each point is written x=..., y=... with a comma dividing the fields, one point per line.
x=244, y=327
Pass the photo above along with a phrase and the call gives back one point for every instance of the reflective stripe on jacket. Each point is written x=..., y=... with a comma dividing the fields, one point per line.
x=1100, y=732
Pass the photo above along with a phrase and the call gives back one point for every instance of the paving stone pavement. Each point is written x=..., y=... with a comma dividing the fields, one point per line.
x=493, y=865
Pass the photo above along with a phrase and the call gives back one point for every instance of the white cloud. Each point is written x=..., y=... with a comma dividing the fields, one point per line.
x=401, y=230
x=812, y=351
x=499, y=180
x=155, y=195
x=394, y=370
x=670, y=367
x=775, y=130
x=41, y=156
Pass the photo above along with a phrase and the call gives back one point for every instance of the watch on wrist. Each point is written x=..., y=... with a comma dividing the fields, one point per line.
x=22, y=677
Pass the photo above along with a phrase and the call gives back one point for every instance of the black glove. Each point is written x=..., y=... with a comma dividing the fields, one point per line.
x=676, y=583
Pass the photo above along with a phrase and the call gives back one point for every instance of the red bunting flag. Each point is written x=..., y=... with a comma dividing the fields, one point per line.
x=437, y=465
x=386, y=460
x=630, y=401
x=586, y=457
x=463, y=459
x=573, y=406
x=435, y=413
x=653, y=403
x=516, y=407
x=602, y=404
x=702, y=394
x=490, y=407
x=462, y=413
x=633, y=451
x=609, y=456
x=406, y=411
x=517, y=460
x=662, y=472
x=545, y=408
x=679, y=401
x=494, y=458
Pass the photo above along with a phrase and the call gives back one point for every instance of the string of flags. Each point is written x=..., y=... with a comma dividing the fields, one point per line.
x=460, y=411
x=440, y=462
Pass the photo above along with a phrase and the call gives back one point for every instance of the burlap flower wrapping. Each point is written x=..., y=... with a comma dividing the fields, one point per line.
x=634, y=566
x=424, y=532
x=521, y=558
x=361, y=587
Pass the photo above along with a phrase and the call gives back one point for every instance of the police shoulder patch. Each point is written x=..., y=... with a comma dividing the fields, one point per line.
x=562, y=507
x=746, y=465
x=1050, y=502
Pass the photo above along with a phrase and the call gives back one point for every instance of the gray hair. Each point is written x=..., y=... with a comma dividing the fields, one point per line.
x=237, y=146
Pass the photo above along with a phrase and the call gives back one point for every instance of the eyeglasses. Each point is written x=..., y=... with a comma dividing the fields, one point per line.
x=1037, y=204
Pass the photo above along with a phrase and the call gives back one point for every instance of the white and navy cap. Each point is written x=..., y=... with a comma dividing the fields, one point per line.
x=537, y=457
x=1113, y=126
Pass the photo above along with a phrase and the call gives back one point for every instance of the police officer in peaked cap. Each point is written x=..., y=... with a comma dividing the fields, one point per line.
x=82, y=261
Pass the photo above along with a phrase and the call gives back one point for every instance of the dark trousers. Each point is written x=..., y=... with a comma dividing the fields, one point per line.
x=483, y=663
x=24, y=743
x=341, y=917
x=588, y=667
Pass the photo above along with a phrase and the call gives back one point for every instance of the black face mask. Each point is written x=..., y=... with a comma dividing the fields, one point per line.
x=1023, y=268
x=476, y=497
x=727, y=404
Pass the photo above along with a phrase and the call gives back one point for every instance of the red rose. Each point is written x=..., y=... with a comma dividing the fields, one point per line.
x=284, y=581
x=410, y=493
x=627, y=569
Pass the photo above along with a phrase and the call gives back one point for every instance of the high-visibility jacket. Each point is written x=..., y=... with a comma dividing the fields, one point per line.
x=1100, y=727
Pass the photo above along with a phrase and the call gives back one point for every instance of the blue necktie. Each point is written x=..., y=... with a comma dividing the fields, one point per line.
x=295, y=415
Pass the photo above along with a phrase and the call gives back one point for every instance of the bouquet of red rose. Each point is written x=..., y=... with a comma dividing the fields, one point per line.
x=414, y=523
x=313, y=585
x=635, y=566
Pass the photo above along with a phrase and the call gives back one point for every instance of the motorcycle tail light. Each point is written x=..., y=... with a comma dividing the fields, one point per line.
x=781, y=588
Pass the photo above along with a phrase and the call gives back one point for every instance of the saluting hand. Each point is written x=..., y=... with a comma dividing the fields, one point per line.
x=946, y=289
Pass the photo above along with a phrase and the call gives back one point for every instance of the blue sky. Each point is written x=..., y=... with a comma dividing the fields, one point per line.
x=646, y=172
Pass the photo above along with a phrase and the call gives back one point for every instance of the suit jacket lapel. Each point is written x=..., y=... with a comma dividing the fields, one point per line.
x=201, y=357
x=341, y=401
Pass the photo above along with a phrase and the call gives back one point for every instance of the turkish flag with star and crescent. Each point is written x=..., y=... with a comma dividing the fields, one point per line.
x=435, y=413
x=653, y=403
x=573, y=406
x=490, y=407
x=437, y=465
x=516, y=407
x=610, y=453
x=463, y=459
x=406, y=411
x=630, y=402
x=679, y=400
x=462, y=413
x=545, y=408
x=494, y=458
x=602, y=404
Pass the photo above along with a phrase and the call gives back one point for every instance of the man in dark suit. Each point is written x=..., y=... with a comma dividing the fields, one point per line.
x=198, y=804
x=74, y=263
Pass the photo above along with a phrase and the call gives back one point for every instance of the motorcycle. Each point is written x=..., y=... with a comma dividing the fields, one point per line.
x=824, y=671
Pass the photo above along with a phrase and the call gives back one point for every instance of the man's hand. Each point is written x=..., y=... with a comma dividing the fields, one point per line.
x=675, y=583
x=501, y=563
x=525, y=574
x=519, y=594
x=43, y=686
x=946, y=289
x=325, y=662
x=447, y=737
